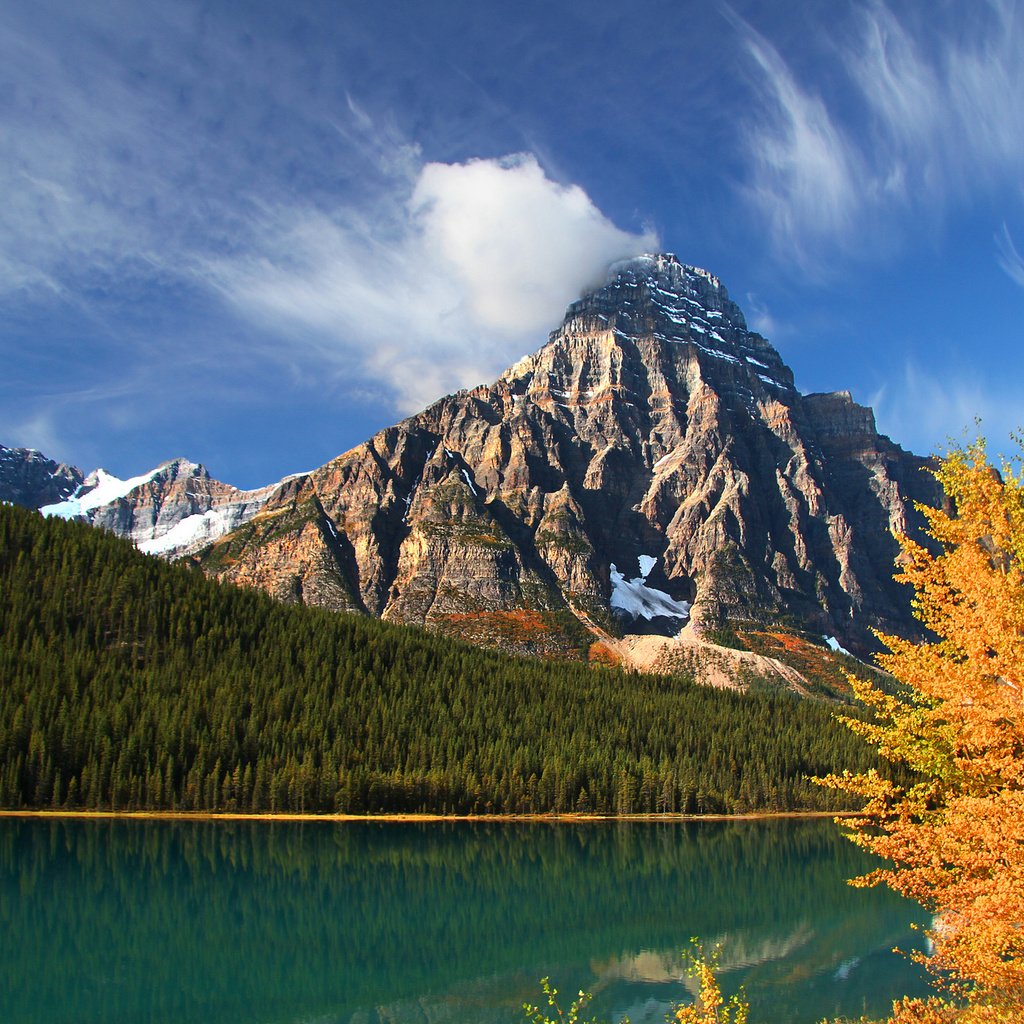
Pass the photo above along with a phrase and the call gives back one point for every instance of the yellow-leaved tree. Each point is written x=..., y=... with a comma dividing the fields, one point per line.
x=955, y=839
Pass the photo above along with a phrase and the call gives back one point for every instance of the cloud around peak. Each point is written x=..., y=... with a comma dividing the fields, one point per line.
x=443, y=287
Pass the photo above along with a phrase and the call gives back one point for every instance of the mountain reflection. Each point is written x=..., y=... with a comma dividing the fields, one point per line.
x=118, y=921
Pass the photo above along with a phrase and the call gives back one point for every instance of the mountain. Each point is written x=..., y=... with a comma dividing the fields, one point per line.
x=31, y=479
x=652, y=466
x=649, y=481
x=132, y=683
x=172, y=510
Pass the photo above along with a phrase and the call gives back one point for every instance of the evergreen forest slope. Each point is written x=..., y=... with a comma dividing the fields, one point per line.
x=130, y=683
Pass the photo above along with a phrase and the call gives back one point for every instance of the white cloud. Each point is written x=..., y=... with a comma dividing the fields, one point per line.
x=444, y=287
x=519, y=244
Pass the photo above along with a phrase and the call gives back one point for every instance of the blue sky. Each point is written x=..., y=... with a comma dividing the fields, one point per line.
x=253, y=234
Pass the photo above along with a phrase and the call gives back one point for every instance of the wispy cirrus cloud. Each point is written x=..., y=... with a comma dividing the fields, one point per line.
x=921, y=115
x=343, y=255
x=1009, y=258
x=803, y=169
x=925, y=408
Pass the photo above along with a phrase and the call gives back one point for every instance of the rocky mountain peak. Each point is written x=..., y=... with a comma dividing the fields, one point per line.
x=650, y=473
x=652, y=464
x=656, y=325
x=665, y=280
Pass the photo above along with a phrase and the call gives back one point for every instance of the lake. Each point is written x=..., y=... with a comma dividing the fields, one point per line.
x=119, y=921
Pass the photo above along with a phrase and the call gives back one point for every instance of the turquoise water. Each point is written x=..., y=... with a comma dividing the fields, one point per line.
x=211, y=922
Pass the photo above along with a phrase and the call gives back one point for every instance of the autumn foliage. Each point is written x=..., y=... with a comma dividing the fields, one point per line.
x=710, y=1007
x=955, y=839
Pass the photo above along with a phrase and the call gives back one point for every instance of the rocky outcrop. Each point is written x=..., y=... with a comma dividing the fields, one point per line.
x=653, y=432
x=31, y=479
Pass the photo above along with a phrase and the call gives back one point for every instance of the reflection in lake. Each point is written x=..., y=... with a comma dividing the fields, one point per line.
x=364, y=923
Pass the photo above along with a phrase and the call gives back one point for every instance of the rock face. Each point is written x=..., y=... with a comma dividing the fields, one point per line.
x=173, y=510
x=652, y=458
x=31, y=479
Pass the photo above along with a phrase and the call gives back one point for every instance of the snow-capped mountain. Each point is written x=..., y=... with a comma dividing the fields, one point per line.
x=29, y=478
x=173, y=510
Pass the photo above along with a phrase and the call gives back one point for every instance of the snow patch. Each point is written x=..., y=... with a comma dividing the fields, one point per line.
x=636, y=599
x=196, y=530
x=646, y=563
x=469, y=482
x=834, y=645
x=408, y=504
x=720, y=355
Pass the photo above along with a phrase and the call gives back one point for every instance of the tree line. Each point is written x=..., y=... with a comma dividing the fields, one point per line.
x=129, y=683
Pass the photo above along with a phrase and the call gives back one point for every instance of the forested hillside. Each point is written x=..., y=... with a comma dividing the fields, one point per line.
x=129, y=683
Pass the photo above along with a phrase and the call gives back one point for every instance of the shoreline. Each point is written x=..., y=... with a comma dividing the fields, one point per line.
x=550, y=818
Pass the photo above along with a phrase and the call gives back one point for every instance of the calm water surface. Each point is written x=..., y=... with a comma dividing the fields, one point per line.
x=238, y=923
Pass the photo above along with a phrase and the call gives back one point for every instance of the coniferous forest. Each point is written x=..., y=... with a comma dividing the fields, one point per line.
x=129, y=683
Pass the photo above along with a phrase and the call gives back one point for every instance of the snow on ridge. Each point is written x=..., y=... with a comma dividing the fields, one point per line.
x=100, y=488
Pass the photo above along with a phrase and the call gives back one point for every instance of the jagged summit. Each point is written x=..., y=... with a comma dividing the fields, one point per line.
x=29, y=478
x=669, y=318
x=664, y=274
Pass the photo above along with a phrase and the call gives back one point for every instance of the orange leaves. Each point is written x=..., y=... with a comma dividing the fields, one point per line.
x=956, y=838
x=710, y=1006
x=971, y=596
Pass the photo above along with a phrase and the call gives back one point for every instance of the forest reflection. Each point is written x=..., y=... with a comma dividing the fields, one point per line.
x=117, y=921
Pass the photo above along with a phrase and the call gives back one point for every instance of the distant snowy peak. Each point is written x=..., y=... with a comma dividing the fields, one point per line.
x=171, y=511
